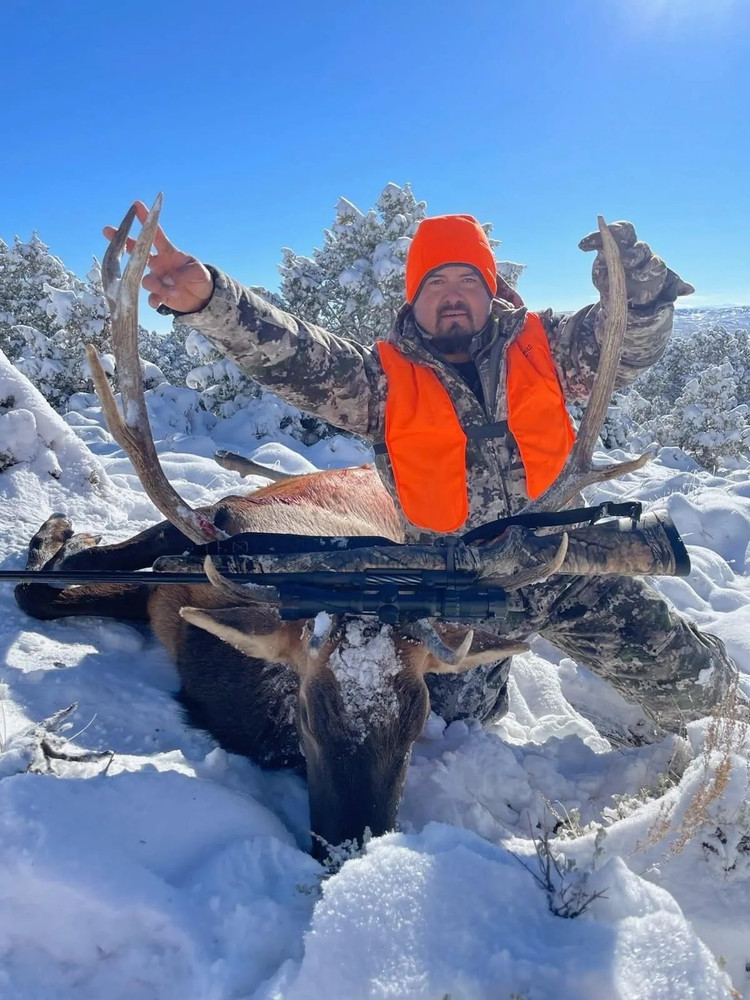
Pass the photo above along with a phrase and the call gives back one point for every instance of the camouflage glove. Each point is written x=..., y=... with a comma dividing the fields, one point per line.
x=647, y=277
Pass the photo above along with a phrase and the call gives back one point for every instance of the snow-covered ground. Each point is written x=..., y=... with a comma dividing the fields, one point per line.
x=169, y=869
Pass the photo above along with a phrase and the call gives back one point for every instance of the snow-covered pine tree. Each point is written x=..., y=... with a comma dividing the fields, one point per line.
x=224, y=388
x=694, y=398
x=167, y=351
x=49, y=315
x=25, y=268
x=687, y=357
x=353, y=285
x=708, y=422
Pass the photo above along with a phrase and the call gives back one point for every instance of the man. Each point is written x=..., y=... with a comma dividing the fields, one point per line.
x=465, y=403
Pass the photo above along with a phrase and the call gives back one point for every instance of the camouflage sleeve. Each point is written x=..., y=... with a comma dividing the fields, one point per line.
x=575, y=342
x=331, y=377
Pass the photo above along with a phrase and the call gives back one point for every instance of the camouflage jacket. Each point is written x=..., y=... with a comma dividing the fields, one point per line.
x=343, y=382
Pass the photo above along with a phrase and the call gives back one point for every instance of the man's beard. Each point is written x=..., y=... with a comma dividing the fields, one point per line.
x=453, y=342
x=456, y=337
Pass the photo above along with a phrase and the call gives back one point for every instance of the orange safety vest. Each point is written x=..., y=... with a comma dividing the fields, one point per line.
x=427, y=444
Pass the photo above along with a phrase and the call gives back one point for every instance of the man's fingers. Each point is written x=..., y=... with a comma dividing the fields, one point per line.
x=154, y=301
x=623, y=232
x=153, y=284
x=161, y=242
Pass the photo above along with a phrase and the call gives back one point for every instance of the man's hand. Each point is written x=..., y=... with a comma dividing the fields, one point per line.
x=647, y=277
x=174, y=279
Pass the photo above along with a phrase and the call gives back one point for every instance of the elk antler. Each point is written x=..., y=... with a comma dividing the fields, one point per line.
x=579, y=471
x=132, y=431
x=246, y=467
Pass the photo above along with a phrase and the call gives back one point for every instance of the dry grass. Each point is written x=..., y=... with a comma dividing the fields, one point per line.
x=726, y=735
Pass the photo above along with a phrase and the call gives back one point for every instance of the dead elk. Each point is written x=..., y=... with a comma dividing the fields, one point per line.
x=343, y=696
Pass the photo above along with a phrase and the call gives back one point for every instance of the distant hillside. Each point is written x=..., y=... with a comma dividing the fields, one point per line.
x=687, y=321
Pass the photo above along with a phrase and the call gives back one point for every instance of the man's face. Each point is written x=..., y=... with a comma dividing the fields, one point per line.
x=452, y=305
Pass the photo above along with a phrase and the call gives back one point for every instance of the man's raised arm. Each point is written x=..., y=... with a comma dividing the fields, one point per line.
x=310, y=368
x=652, y=290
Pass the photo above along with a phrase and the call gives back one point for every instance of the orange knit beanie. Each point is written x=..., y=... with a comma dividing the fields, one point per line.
x=449, y=239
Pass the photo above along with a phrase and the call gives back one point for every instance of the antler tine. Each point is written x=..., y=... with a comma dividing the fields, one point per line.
x=530, y=574
x=578, y=470
x=616, y=308
x=133, y=433
x=425, y=632
x=247, y=594
x=111, y=262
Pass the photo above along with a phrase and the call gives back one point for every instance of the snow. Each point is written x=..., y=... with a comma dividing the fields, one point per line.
x=62, y=303
x=166, y=868
x=363, y=667
x=322, y=624
x=689, y=319
x=40, y=435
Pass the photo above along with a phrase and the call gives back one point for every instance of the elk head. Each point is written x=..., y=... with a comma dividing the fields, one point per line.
x=362, y=701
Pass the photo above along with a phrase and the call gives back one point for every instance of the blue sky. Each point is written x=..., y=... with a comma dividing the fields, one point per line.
x=254, y=118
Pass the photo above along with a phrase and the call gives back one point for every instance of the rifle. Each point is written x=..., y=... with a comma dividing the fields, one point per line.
x=457, y=579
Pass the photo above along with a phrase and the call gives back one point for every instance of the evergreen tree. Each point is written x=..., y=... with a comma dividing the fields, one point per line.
x=25, y=268
x=707, y=422
x=695, y=398
x=687, y=357
x=49, y=315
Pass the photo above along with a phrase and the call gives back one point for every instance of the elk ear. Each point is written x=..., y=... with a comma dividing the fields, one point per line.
x=486, y=647
x=254, y=630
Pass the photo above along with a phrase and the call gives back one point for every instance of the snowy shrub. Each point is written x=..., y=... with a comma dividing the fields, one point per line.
x=178, y=410
x=25, y=269
x=567, y=888
x=18, y=439
x=223, y=387
x=168, y=351
x=225, y=390
x=707, y=422
x=49, y=315
x=687, y=357
x=712, y=805
x=32, y=432
x=696, y=398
